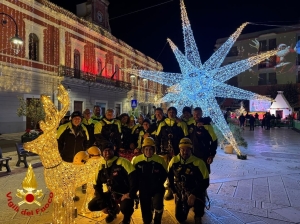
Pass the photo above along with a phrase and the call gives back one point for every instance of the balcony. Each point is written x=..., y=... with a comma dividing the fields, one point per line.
x=89, y=77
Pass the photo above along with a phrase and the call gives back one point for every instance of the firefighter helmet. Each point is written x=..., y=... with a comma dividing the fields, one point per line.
x=148, y=142
x=94, y=151
x=80, y=158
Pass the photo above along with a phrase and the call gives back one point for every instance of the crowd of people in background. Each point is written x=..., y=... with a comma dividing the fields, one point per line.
x=171, y=159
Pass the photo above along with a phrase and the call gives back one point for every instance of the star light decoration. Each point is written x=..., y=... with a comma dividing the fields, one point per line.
x=199, y=84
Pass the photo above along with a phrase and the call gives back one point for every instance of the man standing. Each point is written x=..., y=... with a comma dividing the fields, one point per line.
x=203, y=137
x=119, y=176
x=159, y=117
x=152, y=173
x=108, y=130
x=168, y=135
x=97, y=113
x=89, y=123
x=188, y=177
x=72, y=137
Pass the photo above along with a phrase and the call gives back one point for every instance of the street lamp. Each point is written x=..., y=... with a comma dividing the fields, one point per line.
x=16, y=41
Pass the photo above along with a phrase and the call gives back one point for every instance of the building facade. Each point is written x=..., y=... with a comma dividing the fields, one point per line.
x=60, y=47
x=278, y=70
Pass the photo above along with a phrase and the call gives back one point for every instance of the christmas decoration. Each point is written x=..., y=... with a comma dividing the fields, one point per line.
x=61, y=178
x=199, y=84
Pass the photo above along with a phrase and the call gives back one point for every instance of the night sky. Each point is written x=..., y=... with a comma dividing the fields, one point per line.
x=147, y=30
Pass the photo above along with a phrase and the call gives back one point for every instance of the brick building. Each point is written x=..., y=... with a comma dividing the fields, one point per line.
x=79, y=52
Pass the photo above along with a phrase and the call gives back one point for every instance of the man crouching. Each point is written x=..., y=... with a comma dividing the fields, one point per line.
x=119, y=175
x=189, y=180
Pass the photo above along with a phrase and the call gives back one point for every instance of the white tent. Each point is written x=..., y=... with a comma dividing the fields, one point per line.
x=281, y=106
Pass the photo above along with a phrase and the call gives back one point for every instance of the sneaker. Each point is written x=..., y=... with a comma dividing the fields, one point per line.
x=169, y=195
x=110, y=218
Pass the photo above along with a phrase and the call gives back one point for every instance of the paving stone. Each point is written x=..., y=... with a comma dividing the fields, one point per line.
x=279, y=197
x=294, y=197
x=243, y=192
x=217, y=212
x=274, y=221
x=290, y=183
x=228, y=188
x=261, y=181
x=260, y=192
x=268, y=205
x=230, y=220
x=246, y=218
x=290, y=214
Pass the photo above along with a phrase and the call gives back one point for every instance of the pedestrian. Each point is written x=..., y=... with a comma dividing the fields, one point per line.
x=97, y=113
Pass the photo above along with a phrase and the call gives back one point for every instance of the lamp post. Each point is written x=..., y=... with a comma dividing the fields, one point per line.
x=15, y=40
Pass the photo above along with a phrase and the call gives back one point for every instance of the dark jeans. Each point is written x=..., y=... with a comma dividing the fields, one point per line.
x=182, y=208
x=98, y=204
x=147, y=201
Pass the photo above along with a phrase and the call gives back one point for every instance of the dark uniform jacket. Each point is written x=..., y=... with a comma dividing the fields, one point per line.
x=108, y=131
x=90, y=126
x=71, y=140
x=152, y=173
x=135, y=134
x=169, y=131
x=190, y=174
x=204, y=140
x=119, y=175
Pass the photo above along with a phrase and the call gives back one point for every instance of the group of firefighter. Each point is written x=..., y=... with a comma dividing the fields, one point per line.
x=172, y=160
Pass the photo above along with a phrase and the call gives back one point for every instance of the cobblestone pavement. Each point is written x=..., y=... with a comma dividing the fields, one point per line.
x=265, y=188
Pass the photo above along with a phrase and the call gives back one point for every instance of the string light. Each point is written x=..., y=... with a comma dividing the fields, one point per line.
x=61, y=177
x=198, y=84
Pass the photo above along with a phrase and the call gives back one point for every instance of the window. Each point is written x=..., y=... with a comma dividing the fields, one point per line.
x=117, y=72
x=272, y=44
x=145, y=81
x=262, y=79
x=118, y=108
x=76, y=64
x=33, y=47
x=133, y=80
x=233, y=52
x=78, y=105
x=103, y=106
x=263, y=45
x=272, y=78
x=99, y=67
x=154, y=86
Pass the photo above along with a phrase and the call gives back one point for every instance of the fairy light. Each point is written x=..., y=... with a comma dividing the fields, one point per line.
x=198, y=84
x=61, y=177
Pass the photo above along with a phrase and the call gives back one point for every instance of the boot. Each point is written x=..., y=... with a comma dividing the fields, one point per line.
x=158, y=217
x=111, y=216
x=169, y=195
x=198, y=220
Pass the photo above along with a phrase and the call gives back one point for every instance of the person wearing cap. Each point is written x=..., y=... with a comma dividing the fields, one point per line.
x=97, y=113
x=152, y=173
x=136, y=130
x=89, y=123
x=168, y=135
x=204, y=139
x=108, y=130
x=72, y=137
x=120, y=180
x=189, y=179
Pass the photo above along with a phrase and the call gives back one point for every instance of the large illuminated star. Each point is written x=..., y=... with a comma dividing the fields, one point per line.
x=199, y=84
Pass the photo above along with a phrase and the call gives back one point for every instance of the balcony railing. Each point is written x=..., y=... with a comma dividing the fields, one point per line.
x=78, y=74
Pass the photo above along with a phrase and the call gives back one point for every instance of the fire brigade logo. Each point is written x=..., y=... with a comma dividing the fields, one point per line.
x=29, y=194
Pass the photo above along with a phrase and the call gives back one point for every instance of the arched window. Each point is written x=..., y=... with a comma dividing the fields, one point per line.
x=117, y=72
x=99, y=67
x=33, y=47
x=76, y=64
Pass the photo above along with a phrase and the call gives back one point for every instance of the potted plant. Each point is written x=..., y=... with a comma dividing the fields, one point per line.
x=237, y=133
x=32, y=109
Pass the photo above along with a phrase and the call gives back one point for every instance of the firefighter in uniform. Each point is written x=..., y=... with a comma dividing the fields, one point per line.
x=168, y=135
x=152, y=173
x=119, y=178
x=204, y=139
x=89, y=123
x=189, y=179
x=108, y=130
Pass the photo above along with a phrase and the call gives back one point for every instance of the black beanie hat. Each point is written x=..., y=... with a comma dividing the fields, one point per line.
x=172, y=108
x=147, y=120
x=76, y=114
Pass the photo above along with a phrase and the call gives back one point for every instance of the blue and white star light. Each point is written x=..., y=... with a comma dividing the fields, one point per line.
x=198, y=84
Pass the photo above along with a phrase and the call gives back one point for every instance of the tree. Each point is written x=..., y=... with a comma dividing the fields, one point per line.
x=290, y=92
x=31, y=108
